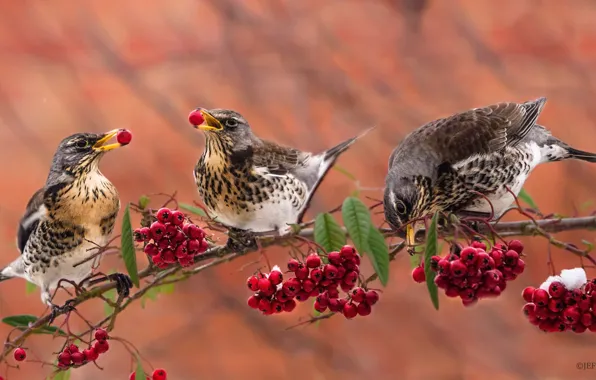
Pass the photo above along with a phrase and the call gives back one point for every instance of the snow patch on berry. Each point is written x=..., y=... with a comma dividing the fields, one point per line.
x=546, y=284
x=574, y=278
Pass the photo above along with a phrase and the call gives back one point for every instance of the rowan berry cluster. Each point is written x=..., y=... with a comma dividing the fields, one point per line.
x=473, y=273
x=158, y=374
x=314, y=279
x=171, y=239
x=561, y=303
x=72, y=356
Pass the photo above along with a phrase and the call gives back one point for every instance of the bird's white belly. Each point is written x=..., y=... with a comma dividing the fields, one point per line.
x=266, y=216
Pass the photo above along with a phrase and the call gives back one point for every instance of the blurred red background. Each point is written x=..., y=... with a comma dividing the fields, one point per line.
x=309, y=74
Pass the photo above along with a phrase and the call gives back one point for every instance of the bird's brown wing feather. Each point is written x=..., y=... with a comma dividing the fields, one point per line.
x=481, y=130
x=278, y=159
x=29, y=221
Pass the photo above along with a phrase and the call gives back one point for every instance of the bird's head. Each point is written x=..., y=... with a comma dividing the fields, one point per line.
x=226, y=126
x=405, y=200
x=81, y=152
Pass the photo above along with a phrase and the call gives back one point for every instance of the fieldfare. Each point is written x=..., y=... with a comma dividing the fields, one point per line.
x=254, y=186
x=470, y=164
x=72, y=214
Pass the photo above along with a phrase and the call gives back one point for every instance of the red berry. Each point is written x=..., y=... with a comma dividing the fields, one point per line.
x=319, y=307
x=358, y=295
x=469, y=302
x=264, y=306
x=468, y=255
x=77, y=358
x=101, y=346
x=313, y=261
x=577, y=328
x=157, y=230
x=528, y=293
x=364, y=309
x=275, y=277
x=316, y=275
x=484, y=261
x=73, y=348
x=479, y=245
x=334, y=305
x=444, y=266
x=519, y=267
x=302, y=296
x=293, y=265
x=168, y=256
x=347, y=252
x=177, y=218
x=584, y=303
x=442, y=281
x=371, y=297
x=159, y=374
x=540, y=297
x=277, y=307
x=434, y=262
x=64, y=357
x=289, y=306
x=458, y=269
x=101, y=334
x=164, y=215
x=556, y=289
x=452, y=291
x=157, y=260
x=492, y=278
x=467, y=294
x=253, y=283
x=418, y=274
x=138, y=235
x=132, y=376
x=291, y=287
x=334, y=258
x=586, y=319
x=323, y=299
x=511, y=258
x=163, y=243
x=124, y=137
x=350, y=278
x=181, y=251
x=556, y=305
x=497, y=257
x=333, y=292
x=195, y=117
x=350, y=310
x=301, y=272
x=151, y=249
x=516, y=246
x=571, y=315
x=330, y=271
x=529, y=309
x=171, y=231
x=195, y=232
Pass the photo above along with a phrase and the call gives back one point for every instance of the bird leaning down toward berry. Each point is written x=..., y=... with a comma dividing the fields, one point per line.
x=469, y=164
x=254, y=186
x=73, y=213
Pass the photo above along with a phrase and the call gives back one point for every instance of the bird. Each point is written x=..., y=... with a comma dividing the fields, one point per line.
x=252, y=186
x=472, y=163
x=74, y=212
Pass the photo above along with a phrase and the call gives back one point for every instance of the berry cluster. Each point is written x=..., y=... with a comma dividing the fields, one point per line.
x=473, y=273
x=72, y=356
x=169, y=239
x=313, y=278
x=561, y=303
x=158, y=374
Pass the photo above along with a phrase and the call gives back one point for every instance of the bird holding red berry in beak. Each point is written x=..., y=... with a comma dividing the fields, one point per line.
x=254, y=186
x=472, y=163
x=73, y=213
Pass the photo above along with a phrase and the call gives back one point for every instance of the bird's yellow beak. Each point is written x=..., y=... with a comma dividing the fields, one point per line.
x=210, y=123
x=411, y=231
x=99, y=145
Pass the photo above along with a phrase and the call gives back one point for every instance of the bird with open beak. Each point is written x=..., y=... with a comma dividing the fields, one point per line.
x=253, y=186
x=64, y=221
x=472, y=163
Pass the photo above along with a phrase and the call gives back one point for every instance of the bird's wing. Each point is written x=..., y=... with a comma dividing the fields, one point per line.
x=481, y=130
x=277, y=159
x=34, y=212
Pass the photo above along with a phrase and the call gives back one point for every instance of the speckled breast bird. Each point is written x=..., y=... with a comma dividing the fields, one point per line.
x=469, y=163
x=256, y=186
x=73, y=213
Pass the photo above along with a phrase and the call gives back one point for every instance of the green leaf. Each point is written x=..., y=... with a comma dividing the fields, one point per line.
x=22, y=322
x=29, y=287
x=527, y=199
x=379, y=254
x=111, y=295
x=431, y=250
x=357, y=220
x=129, y=254
x=192, y=209
x=328, y=233
x=144, y=202
x=589, y=244
x=62, y=375
x=152, y=293
x=344, y=171
x=139, y=373
x=414, y=260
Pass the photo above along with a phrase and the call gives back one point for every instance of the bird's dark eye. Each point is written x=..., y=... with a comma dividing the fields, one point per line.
x=231, y=123
x=82, y=143
x=400, y=207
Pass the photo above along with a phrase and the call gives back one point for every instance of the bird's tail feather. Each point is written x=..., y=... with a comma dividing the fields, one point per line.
x=331, y=154
x=581, y=155
x=4, y=277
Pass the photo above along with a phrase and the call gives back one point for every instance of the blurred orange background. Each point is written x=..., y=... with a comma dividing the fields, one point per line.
x=310, y=74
